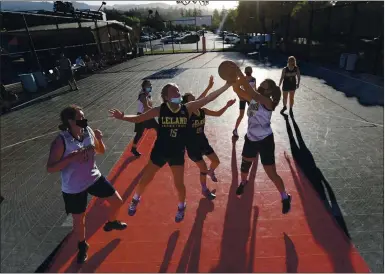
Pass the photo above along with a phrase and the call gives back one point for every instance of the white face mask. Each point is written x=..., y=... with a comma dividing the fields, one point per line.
x=176, y=100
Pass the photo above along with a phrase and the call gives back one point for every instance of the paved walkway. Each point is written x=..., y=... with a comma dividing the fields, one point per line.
x=342, y=138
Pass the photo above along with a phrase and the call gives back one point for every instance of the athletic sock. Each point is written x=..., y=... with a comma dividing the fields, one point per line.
x=284, y=195
x=181, y=205
x=136, y=197
x=204, y=186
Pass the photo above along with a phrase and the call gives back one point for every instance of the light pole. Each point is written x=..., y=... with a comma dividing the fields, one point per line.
x=149, y=25
x=103, y=4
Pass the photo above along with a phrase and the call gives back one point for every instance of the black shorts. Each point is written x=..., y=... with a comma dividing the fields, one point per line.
x=77, y=203
x=265, y=148
x=197, y=148
x=160, y=156
x=152, y=123
x=242, y=104
x=289, y=87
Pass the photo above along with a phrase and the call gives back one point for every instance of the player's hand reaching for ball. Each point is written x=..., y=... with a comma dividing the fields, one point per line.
x=239, y=72
x=98, y=134
x=117, y=114
x=230, y=103
x=211, y=82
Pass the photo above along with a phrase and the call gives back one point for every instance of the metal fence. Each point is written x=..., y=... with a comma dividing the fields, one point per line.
x=322, y=35
x=208, y=41
x=33, y=41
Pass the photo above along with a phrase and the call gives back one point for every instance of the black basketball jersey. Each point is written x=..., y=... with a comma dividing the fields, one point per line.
x=172, y=127
x=196, y=124
x=290, y=75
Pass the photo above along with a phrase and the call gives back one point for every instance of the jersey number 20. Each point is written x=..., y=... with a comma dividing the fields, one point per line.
x=173, y=132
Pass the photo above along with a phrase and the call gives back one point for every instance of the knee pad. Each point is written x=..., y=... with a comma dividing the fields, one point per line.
x=245, y=166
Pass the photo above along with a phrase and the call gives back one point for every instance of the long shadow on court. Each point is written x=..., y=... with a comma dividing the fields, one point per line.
x=337, y=249
x=94, y=262
x=305, y=160
x=236, y=230
x=291, y=255
x=189, y=261
x=171, y=244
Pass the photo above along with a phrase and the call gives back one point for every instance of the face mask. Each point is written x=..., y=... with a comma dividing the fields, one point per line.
x=82, y=123
x=248, y=73
x=148, y=90
x=176, y=100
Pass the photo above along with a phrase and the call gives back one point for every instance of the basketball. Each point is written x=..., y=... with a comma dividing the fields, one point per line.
x=227, y=71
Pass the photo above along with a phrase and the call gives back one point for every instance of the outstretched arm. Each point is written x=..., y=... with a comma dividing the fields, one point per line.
x=249, y=93
x=210, y=85
x=197, y=104
x=218, y=113
x=152, y=113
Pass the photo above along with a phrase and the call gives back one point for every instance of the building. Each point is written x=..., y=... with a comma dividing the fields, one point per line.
x=74, y=37
x=198, y=21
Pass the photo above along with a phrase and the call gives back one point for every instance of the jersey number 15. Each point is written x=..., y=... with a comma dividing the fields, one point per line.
x=173, y=132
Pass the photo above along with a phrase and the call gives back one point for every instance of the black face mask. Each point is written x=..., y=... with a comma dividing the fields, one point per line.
x=248, y=73
x=82, y=123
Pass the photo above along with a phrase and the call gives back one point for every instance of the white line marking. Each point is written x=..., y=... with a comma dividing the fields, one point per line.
x=44, y=135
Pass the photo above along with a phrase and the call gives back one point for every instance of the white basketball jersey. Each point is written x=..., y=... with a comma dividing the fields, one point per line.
x=140, y=104
x=259, y=122
x=77, y=177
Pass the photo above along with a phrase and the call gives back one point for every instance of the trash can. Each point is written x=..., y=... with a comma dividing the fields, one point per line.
x=141, y=52
x=351, y=62
x=28, y=82
x=343, y=58
x=40, y=79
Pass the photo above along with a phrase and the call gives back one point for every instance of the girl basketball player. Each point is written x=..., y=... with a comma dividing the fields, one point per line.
x=242, y=102
x=260, y=138
x=170, y=144
x=290, y=78
x=144, y=104
x=73, y=154
x=197, y=143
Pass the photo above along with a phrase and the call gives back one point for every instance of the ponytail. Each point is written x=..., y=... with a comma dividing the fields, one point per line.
x=276, y=96
x=185, y=97
x=64, y=127
x=275, y=92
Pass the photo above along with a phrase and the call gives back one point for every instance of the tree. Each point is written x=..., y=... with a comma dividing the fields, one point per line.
x=230, y=21
x=216, y=20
